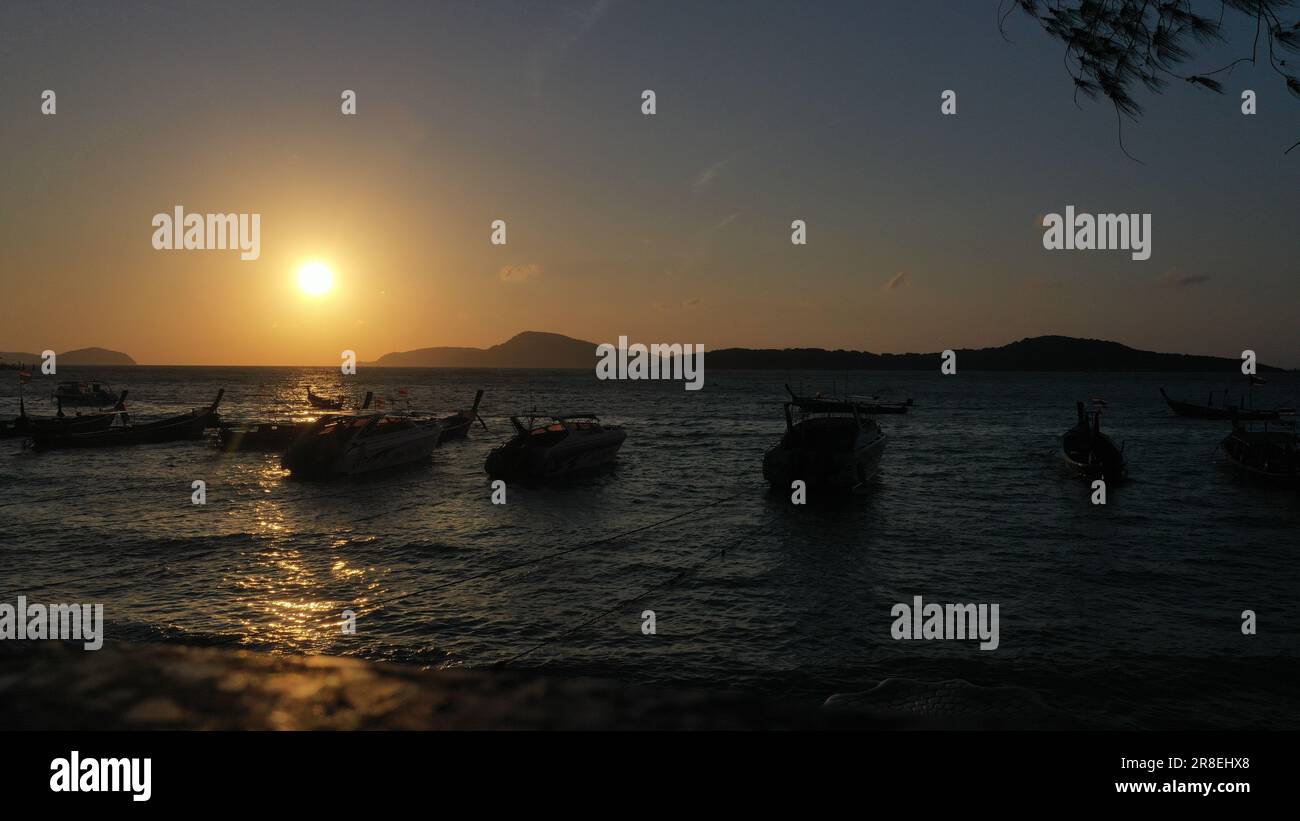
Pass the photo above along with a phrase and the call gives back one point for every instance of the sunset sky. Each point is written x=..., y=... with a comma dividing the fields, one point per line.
x=923, y=230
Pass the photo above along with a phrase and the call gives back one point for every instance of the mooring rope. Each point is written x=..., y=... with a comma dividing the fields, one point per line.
x=334, y=621
x=677, y=576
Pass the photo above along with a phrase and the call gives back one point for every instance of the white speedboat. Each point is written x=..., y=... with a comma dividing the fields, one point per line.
x=352, y=444
x=563, y=446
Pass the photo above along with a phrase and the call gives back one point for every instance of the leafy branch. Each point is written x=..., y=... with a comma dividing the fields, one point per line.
x=1112, y=47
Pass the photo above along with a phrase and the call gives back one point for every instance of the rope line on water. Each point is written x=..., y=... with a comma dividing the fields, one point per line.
x=442, y=585
x=680, y=575
x=547, y=556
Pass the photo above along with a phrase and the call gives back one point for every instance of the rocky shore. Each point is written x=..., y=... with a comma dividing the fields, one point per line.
x=60, y=686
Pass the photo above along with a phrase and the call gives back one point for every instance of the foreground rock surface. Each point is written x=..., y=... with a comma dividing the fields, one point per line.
x=52, y=686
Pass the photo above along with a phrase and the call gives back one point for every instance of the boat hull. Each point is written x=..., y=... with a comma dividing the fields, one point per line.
x=824, y=470
x=1272, y=457
x=333, y=457
x=1193, y=411
x=264, y=437
x=173, y=430
x=1093, y=457
x=575, y=455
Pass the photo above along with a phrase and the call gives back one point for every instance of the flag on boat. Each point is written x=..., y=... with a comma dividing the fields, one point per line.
x=24, y=376
x=401, y=392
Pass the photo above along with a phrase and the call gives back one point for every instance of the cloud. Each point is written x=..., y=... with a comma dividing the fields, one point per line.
x=685, y=304
x=521, y=273
x=704, y=180
x=573, y=25
x=897, y=281
x=1173, y=279
x=727, y=220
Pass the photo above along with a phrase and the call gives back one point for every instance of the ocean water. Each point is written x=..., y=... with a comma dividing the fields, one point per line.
x=1123, y=615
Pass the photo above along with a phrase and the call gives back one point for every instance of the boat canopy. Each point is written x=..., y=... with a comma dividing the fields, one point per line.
x=829, y=405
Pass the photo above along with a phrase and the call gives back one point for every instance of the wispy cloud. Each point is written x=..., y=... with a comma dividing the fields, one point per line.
x=574, y=24
x=705, y=179
x=520, y=273
x=725, y=221
x=897, y=281
x=685, y=304
x=1173, y=279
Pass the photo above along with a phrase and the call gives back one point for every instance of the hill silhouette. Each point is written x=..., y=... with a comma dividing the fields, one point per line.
x=1040, y=353
x=536, y=349
x=530, y=349
x=80, y=356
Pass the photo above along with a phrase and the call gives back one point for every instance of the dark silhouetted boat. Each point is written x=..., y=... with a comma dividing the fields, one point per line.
x=561, y=447
x=323, y=402
x=1267, y=455
x=830, y=444
x=1223, y=410
x=25, y=426
x=267, y=436
x=352, y=444
x=458, y=424
x=1090, y=452
x=875, y=407
x=263, y=436
x=83, y=394
x=189, y=425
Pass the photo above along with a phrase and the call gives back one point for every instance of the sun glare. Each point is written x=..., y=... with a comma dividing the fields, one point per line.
x=315, y=278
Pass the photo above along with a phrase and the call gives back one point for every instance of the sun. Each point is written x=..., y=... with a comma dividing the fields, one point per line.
x=315, y=278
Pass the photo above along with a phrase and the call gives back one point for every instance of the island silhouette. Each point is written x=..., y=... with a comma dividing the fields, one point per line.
x=537, y=349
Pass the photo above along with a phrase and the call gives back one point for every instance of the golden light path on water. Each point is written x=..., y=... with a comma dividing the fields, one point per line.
x=287, y=598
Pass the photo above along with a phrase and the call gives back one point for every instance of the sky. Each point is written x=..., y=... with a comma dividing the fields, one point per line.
x=923, y=230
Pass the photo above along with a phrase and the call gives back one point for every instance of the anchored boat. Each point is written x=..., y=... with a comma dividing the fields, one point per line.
x=1090, y=452
x=172, y=429
x=353, y=444
x=323, y=402
x=24, y=425
x=1223, y=410
x=267, y=436
x=457, y=425
x=1269, y=455
x=83, y=394
x=830, y=444
x=560, y=447
x=874, y=406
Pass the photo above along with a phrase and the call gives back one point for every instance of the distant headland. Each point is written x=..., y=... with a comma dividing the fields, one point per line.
x=99, y=357
x=535, y=349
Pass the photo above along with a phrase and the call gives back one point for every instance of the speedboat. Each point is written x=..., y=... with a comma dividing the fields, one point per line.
x=84, y=394
x=829, y=444
x=560, y=447
x=264, y=436
x=1089, y=452
x=352, y=444
x=268, y=436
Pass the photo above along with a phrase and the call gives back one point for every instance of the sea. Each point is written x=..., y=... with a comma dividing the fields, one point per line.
x=1123, y=615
